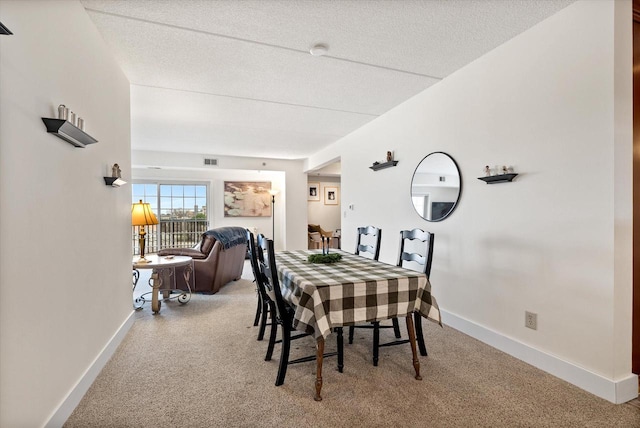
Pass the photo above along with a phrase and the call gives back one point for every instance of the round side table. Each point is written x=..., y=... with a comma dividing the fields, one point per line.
x=160, y=265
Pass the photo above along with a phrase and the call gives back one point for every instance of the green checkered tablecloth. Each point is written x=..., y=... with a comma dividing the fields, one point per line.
x=352, y=291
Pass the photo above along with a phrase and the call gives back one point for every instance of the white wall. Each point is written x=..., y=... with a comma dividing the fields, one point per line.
x=65, y=252
x=215, y=180
x=622, y=196
x=327, y=216
x=556, y=241
x=286, y=175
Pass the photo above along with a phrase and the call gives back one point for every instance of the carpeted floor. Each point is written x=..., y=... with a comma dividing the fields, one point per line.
x=199, y=365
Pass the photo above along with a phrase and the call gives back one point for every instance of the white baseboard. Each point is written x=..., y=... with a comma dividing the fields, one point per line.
x=615, y=391
x=65, y=409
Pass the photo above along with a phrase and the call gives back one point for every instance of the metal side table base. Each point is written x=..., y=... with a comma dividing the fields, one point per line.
x=161, y=266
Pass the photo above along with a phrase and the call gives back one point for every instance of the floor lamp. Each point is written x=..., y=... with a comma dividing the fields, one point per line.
x=273, y=194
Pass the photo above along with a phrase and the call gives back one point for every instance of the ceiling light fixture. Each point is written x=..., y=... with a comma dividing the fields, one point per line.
x=319, y=50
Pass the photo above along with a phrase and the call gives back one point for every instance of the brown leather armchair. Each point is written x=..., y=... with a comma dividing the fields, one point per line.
x=213, y=264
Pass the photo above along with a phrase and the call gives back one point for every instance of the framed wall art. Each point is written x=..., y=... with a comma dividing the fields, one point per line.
x=247, y=199
x=331, y=195
x=314, y=192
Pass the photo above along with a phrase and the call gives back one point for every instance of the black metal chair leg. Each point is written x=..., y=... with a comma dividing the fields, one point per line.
x=376, y=342
x=340, y=349
x=263, y=321
x=272, y=336
x=258, y=310
x=417, y=321
x=351, y=329
x=396, y=328
x=284, y=356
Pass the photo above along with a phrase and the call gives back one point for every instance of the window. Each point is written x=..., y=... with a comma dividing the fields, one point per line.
x=181, y=210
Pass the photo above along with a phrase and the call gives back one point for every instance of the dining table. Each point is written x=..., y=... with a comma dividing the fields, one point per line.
x=351, y=291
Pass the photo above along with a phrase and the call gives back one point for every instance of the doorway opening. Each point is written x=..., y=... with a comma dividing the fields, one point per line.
x=324, y=202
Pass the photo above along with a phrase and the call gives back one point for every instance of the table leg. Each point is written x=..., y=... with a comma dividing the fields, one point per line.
x=166, y=273
x=184, y=297
x=319, y=356
x=414, y=351
x=136, y=277
x=157, y=283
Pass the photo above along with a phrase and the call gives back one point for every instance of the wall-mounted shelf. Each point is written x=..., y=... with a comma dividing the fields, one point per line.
x=383, y=165
x=68, y=132
x=114, y=181
x=502, y=178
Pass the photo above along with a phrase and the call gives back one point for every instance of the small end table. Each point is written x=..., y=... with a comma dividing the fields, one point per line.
x=336, y=241
x=161, y=265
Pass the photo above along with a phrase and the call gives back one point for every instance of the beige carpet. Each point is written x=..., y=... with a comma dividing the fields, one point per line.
x=199, y=365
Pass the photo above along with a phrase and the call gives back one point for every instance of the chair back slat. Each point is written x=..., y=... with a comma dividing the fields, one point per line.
x=255, y=267
x=251, y=249
x=269, y=274
x=259, y=253
x=372, y=249
x=413, y=257
x=425, y=259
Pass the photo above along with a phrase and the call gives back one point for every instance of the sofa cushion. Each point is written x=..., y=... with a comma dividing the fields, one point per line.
x=191, y=252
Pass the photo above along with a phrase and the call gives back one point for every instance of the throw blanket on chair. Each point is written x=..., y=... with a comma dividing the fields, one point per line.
x=229, y=236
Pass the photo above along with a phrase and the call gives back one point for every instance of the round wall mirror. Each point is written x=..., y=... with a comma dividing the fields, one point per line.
x=436, y=186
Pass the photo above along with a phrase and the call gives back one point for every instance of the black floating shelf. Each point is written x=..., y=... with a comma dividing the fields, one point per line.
x=502, y=178
x=114, y=181
x=384, y=165
x=68, y=132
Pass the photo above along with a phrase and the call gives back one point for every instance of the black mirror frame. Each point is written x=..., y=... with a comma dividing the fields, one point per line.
x=455, y=204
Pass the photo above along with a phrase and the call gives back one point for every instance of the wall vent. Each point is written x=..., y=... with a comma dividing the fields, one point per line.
x=210, y=162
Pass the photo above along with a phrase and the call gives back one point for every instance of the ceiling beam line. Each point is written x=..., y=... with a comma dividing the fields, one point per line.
x=256, y=99
x=238, y=39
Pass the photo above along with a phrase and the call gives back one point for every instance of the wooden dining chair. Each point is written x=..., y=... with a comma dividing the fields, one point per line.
x=371, y=250
x=265, y=309
x=422, y=263
x=284, y=315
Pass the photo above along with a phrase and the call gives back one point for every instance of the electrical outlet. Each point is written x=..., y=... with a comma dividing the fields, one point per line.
x=531, y=320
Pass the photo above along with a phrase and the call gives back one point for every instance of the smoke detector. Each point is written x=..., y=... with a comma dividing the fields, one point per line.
x=319, y=49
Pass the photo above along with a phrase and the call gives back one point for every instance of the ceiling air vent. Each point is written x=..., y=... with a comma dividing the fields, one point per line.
x=210, y=162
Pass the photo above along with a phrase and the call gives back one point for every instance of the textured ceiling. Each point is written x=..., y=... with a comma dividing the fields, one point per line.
x=235, y=77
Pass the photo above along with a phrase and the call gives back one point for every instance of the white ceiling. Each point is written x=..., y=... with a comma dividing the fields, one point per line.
x=231, y=77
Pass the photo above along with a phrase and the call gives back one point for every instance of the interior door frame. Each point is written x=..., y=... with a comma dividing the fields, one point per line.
x=635, y=347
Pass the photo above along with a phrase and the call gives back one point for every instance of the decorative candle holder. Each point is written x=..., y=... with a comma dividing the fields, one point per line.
x=63, y=112
x=325, y=245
